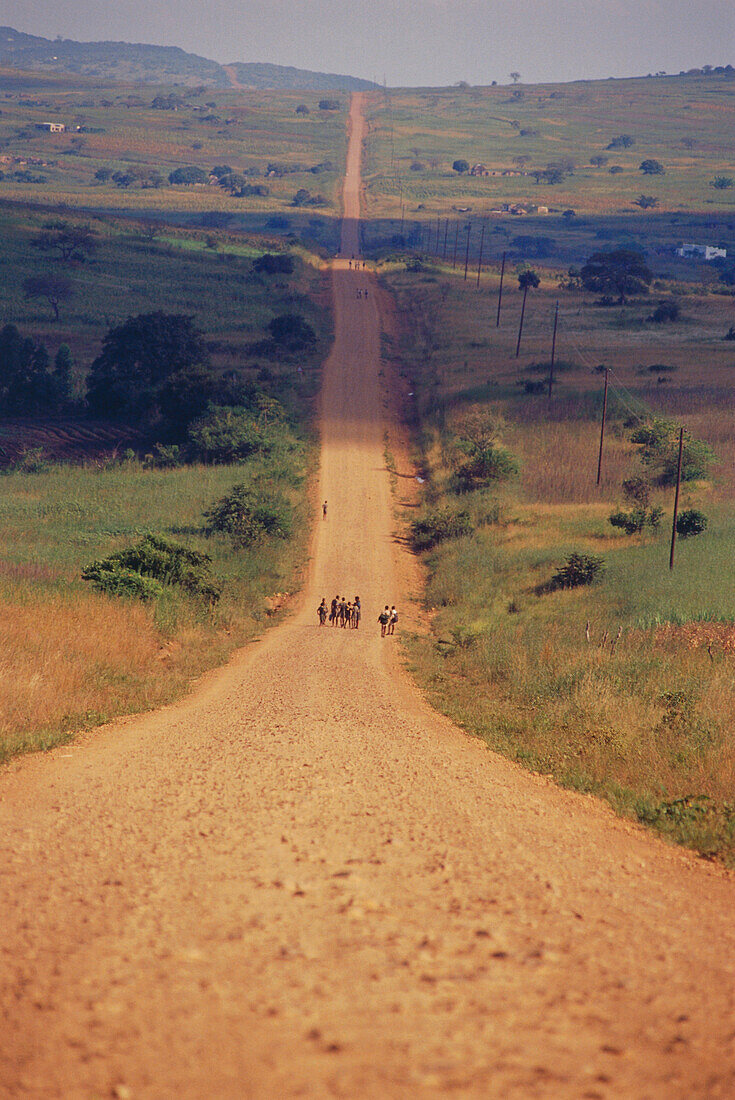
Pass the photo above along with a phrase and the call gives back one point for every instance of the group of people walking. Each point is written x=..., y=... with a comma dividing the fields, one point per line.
x=341, y=612
x=345, y=613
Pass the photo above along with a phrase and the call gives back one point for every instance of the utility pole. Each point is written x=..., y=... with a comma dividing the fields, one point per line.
x=500, y=290
x=676, y=498
x=456, y=241
x=602, y=428
x=479, y=261
x=438, y=225
x=553, y=351
x=467, y=252
x=446, y=231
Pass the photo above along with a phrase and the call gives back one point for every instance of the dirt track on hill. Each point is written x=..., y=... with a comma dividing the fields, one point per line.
x=303, y=883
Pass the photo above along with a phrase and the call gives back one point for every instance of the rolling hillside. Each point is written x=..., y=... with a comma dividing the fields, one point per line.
x=140, y=63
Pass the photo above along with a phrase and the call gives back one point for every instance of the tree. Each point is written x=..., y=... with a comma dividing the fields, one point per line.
x=249, y=515
x=622, y=141
x=302, y=109
x=71, y=243
x=651, y=167
x=481, y=457
x=691, y=522
x=27, y=384
x=460, y=166
x=53, y=288
x=274, y=264
x=526, y=280
x=646, y=202
x=64, y=372
x=515, y=77
x=291, y=332
x=152, y=371
x=722, y=183
x=103, y=174
x=188, y=175
x=599, y=161
x=621, y=272
x=329, y=105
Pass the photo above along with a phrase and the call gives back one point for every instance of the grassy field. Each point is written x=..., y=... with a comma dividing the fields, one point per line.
x=122, y=132
x=72, y=658
x=623, y=688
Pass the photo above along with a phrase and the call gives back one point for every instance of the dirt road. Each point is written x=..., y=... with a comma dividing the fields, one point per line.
x=302, y=883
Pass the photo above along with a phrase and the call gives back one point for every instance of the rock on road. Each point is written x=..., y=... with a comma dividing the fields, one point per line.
x=301, y=882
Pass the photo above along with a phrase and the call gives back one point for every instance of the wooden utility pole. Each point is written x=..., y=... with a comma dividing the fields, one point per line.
x=446, y=231
x=479, y=261
x=500, y=290
x=467, y=251
x=456, y=242
x=438, y=227
x=520, y=323
x=676, y=498
x=553, y=350
x=602, y=427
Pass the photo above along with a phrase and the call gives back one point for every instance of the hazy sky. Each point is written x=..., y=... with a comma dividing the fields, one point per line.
x=435, y=42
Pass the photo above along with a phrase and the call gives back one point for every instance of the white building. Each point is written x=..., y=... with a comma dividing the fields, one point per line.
x=51, y=127
x=700, y=252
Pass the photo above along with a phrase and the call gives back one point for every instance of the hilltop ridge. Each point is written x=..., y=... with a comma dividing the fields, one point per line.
x=149, y=64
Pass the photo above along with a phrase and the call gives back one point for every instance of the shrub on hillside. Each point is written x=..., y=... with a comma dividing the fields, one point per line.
x=274, y=264
x=143, y=569
x=228, y=435
x=249, y=515
x=577, y=570
x=439, y=526
x=691, y=522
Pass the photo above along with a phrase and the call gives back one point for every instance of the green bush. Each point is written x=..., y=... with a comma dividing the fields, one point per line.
x=249, y=515
x=439, y=526
x=578, y=569
x=691, y=522
x=158, y=559
x=227, y=435
x=484, y=465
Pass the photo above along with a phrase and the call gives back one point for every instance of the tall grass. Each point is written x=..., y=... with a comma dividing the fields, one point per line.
x=625, y=688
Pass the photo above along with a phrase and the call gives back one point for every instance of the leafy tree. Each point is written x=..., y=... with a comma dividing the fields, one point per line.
x=152, y=371
x=622, y=141
x=668, y=310
x=226, y=434
x=103, y=174
x=515, y=77
x=70, y=243
x=292, y=332
x=249, y=515
x=188, y=175
x=274, y=264
x=302, y=109
x=659, y=441
x=64, y=372
x=651, y=167
x=439, y=526
x=461, y=166
x=54, y=289
x=722, y=183
x=599, y=161
x=577, y=570
x=329, y=105
x=28, y=386
x=481, y=457
x=622, y=272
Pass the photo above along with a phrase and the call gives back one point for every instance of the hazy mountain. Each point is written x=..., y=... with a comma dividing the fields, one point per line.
x=125, y=61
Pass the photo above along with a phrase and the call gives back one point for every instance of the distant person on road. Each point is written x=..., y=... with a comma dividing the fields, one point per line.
x=393, y=620
x=324, y=510
x=333, y=611
x=356, y=613
x=343, y=613
x=322, y=611
x=384, y=619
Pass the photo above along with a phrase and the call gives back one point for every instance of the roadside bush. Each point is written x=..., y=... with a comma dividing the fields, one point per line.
x=227, y=435
x=274, y=264
x=660, y=452
x=143, y=569
x=577, y=570
x=248, y=515
x=633, y=522
x=439, y=526
x=691, y=522
x=31, y=460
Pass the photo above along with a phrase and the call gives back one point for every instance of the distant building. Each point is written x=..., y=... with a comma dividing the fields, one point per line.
x=51, y=127
x=479, y=170
x=701, y=252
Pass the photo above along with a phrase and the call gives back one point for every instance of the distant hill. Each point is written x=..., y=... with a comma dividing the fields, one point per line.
x=137, y=63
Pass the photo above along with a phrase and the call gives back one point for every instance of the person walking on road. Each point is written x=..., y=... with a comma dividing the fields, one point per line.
x=324, y=510
x=356, y=612
x=322, y=611
x=333, y=611
x=384, y=619
x=392, y=620
x=343, y=613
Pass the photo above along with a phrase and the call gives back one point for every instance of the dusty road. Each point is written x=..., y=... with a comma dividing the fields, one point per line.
x=302, y=883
